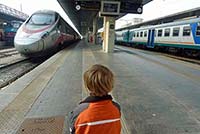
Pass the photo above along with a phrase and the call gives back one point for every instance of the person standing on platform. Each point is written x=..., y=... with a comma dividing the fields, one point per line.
x=102, y=37
x=97, y=114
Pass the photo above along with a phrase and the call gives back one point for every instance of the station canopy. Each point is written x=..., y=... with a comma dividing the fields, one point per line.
x=82, y=12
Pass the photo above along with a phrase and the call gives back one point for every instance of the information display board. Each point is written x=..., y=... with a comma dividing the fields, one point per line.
x=110, y=8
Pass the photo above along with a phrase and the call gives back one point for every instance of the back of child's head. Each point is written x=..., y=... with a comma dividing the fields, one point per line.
x=99, y=80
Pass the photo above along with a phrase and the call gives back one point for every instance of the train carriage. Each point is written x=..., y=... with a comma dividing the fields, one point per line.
x=183, y=35
x=122, y=36
x=42, y=33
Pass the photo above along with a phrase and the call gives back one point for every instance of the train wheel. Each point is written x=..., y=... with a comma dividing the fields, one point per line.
x=1, y=36
x=132, y=45
x=180, y=52
x=192, y=53
x=173, y=50
x=157, y=48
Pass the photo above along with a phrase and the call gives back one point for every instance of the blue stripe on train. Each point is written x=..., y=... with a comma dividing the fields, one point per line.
x=196, y=38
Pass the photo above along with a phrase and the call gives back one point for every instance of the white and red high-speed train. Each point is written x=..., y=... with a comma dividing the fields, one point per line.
x=42, y=33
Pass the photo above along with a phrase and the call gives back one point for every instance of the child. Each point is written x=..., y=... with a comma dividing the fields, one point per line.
x=97, y=114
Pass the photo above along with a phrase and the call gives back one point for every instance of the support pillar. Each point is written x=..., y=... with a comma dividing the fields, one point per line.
x=109, y=34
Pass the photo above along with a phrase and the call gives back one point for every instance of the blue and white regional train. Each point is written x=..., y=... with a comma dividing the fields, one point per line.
x=181, y=35
x=42, y=33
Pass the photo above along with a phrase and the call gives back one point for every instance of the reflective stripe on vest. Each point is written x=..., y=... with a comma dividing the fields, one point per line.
x=98, y=122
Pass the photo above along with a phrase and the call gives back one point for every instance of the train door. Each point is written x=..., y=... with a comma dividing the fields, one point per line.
x=150, y=42
x=131, y=36
x=48, y=42
x=127, y=36
x=196, y=32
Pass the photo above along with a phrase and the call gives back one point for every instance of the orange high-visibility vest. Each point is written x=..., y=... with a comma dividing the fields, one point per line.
x=98, y=117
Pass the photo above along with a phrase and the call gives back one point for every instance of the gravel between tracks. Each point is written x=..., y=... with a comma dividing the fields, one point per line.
x=11, y=73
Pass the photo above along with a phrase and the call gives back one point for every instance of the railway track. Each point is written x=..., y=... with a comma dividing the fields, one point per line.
x=13, y=65
x=8, y=52
x=9, y=56
x=13, y=71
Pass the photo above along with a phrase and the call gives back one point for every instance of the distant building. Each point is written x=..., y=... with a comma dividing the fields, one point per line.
x=132, y=22
x=127, y=24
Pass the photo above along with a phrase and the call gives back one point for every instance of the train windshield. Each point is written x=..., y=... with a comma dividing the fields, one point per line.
x=42, y=19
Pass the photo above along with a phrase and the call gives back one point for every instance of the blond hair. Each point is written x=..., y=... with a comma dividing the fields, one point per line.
x=98, y=80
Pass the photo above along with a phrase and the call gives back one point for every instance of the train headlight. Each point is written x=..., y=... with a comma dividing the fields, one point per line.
x=139, y=10
x=45, y=35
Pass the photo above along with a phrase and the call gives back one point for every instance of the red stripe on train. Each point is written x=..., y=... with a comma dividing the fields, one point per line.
x=24, y=29
x=63, y=38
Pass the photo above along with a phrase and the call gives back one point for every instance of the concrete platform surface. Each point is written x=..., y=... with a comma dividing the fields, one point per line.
x=157, y=94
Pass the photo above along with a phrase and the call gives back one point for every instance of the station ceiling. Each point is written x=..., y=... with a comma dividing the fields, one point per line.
x=83, y=19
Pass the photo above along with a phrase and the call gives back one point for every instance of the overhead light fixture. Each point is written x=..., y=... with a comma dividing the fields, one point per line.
x=78, y=7
x=139, y=10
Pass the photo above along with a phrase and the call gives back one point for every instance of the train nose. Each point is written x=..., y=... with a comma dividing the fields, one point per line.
x=28, y=46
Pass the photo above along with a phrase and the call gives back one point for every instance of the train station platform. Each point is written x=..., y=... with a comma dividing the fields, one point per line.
x=153, y=93
x=54, y=88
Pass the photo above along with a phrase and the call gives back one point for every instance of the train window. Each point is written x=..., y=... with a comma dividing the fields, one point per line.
x=167, y=32
x=41, y=19
x=160, y=33
x=186, y=31
x=198, y=31
x=176, y=31
x=141, y=34
x=137, y=34
x=133, y=34
x=56, y=16
x=155, y=32
x=145, y=33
